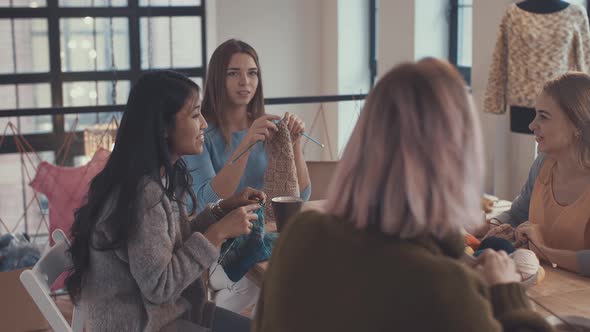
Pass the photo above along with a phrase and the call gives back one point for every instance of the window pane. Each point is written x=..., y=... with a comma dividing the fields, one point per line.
x=92, y=93
x=29, y=52
x=464, y=38
x=170, y=42
x=26, y=96
x=92, y=3
x=16, y=194
x=86, y=44
x=199, y=81
x=23, y=3
x=169, y=2
x=579, y=2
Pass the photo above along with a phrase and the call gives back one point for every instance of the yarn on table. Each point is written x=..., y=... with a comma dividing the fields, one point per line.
x=497, y=244
x=527, y=263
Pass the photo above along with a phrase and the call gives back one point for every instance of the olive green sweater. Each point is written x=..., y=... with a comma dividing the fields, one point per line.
x=325, y=275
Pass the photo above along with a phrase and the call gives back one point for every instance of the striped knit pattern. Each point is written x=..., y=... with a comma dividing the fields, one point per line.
x=532, y=49
x=280, y=177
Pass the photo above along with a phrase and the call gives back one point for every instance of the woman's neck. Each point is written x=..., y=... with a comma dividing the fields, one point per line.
x=569, y=166
x=237, y=117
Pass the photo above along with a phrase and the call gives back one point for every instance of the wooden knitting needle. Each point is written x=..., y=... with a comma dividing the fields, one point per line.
x=541, y=251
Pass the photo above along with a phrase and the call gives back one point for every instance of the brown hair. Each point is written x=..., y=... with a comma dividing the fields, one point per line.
x=215, y=98
x=414, y=162
x=571, y=92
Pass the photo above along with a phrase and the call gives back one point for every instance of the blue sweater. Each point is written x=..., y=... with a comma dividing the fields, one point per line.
x=205, y=166
x=519, y=212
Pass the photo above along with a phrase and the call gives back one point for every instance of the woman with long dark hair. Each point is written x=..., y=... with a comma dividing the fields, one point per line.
x=137, y=254
x=233, y=103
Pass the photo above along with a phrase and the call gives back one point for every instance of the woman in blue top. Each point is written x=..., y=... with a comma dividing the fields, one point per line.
x=233, y=105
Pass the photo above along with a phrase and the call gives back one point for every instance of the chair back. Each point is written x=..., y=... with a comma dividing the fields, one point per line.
x=39, y=279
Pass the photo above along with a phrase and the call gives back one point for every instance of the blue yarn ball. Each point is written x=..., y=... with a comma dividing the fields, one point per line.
x=497, y=244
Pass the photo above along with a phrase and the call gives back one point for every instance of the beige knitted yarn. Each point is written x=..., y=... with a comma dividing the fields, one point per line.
x=280, y=177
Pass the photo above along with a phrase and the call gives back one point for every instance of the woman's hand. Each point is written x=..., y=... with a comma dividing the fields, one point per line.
x=261, y=129
x=236, y=223
x=295, y=125
x=497, y=268
x=245, y=197
x=529, y=232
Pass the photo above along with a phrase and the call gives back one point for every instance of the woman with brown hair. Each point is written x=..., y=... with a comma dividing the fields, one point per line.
x=385, y=254
x=233, y=105
x=556, y=197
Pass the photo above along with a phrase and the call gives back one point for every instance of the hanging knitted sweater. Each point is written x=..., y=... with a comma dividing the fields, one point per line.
x=533, y=48
x=280, y=177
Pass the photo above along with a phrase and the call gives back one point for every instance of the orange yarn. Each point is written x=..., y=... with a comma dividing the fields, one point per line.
x=471, y=241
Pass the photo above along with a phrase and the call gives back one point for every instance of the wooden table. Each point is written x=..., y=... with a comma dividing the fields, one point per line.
x=562, y=292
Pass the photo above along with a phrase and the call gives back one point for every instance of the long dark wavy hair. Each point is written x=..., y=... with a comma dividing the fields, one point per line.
x=141, y=151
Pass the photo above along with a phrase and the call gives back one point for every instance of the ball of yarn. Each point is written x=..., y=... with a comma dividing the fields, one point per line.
x=497, y=244
x=540, y=274
x=471, y=241
x=527, y=263
x=477, y=253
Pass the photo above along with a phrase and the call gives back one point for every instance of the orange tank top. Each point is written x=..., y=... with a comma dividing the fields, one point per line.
x=562, y=227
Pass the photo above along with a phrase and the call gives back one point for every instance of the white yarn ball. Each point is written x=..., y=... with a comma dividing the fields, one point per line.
x=527, y=263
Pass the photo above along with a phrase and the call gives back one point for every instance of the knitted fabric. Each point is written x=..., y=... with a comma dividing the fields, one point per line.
x=532, y=49
x=280, y=177
x=241, y=253
x=506, y=232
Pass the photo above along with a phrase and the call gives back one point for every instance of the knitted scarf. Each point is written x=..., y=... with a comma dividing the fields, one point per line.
x=241, y=253
x=280, y=177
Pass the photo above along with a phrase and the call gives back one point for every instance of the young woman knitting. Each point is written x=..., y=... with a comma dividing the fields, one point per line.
x=137, y=254
x=235, y=156
x=556, y=197
x=385, y=256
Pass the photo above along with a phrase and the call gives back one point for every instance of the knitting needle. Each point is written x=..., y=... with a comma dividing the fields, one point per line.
x=541, y=251
x=312, y=139
x=305, y=135
x=276, y=122
x=244, y=152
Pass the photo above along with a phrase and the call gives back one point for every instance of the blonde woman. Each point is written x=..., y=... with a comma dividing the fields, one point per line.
x=556, y=196
x=385, y=255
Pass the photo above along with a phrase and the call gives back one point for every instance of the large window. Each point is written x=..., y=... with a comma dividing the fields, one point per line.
x=68, y=64
x=460, y=50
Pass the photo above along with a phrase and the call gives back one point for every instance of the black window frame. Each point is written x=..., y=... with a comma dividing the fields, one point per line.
x=53, y=140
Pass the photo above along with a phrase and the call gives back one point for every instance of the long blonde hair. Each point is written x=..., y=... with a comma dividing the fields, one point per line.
x=571, y=91
x=414, y=162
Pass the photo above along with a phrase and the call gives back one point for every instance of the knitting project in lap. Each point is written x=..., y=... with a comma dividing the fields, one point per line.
x=280, y=177
x=243, y=252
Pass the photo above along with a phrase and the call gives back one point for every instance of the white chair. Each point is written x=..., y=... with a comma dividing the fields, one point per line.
x=39, y=279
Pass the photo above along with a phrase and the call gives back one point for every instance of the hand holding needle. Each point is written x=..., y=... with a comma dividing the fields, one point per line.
x=252, y=145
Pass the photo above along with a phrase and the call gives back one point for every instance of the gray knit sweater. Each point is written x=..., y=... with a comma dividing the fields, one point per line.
x=153, y=284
